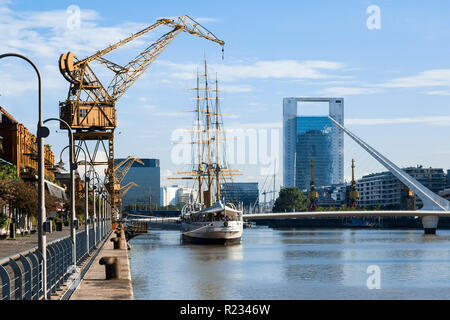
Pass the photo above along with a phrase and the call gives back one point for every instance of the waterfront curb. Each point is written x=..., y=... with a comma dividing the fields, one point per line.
x=95, y=286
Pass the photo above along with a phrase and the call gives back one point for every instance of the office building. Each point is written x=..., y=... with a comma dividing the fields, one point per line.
x=448, y=179
x=245, y=193
x=386, y=190
x=312, y=137
x=19, y=148
x=177, y=195
x=147, y=177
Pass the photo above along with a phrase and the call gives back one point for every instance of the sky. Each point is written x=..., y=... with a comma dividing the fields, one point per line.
x=387, y=59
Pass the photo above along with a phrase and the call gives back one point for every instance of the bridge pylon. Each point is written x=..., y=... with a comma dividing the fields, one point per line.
x=431, y=201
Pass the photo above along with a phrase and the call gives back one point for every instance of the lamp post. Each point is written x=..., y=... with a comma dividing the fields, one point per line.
x=95, y=176
x=42, y=132
x=106, y=209
x=86, y=194
x=73, y=167
x=100, y=210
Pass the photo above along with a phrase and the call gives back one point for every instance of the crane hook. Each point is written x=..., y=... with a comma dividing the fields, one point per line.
x=223, y=54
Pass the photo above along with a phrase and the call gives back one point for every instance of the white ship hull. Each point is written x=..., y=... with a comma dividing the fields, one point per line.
x=214, y=232
x=215, y=225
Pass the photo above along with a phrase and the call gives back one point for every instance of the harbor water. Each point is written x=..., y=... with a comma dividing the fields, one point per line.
x=285, y=264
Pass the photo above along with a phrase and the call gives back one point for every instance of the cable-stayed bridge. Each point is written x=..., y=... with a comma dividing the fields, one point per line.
x=434, y=206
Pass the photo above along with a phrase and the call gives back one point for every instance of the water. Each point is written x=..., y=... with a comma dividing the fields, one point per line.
x=293, y=264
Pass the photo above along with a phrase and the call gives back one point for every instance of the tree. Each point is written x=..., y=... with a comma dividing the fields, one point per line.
x=25, y=197
x=8, y=172
x=290, y=199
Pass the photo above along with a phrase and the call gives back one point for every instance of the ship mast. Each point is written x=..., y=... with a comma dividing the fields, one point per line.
x=208, y=139
x=217, y=143
x=200, y=190
x=205, y=172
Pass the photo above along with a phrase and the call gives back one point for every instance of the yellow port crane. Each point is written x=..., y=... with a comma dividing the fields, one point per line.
x=90, y=106
x=120, y=171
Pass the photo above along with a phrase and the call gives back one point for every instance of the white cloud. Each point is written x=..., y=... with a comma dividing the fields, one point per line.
x=206, y=20
x=276, y=69
x=439, y=93
x=439, y=121
x=347, y=91
x=428, y=78
x=255, y=125
x=46, y=34
x=236, y=88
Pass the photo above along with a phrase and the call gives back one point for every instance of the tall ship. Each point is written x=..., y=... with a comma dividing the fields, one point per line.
x=208, y=219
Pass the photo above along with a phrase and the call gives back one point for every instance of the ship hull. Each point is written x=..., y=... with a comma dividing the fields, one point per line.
x=212, y=232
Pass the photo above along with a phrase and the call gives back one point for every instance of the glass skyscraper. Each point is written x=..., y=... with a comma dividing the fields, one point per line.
x=246, y=193
x=314, y=141
x=147, y=177
x=312, y=137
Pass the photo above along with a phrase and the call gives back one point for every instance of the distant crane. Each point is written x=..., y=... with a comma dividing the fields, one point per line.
x=267, y=192
x=127, y=187
x=90, y=106
x=354, y=194
x=120, y=171
x=312, y=194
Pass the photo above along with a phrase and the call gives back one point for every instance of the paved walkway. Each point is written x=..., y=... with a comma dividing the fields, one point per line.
x=24, y=243
x=95, y=287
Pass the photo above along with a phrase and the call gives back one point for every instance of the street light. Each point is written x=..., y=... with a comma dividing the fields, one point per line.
x=86, y=186
x=42, y=132
x=95, y=176
x=73, y=167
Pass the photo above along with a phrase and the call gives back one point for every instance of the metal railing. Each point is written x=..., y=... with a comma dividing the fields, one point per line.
x=21, y=274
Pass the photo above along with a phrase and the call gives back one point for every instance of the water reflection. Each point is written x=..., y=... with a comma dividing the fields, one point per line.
x=293, y=264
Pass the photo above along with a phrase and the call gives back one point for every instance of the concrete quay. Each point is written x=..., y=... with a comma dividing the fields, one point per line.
x=94, y=286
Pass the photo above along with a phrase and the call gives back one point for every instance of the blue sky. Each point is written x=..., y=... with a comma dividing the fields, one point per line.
x=395, y=80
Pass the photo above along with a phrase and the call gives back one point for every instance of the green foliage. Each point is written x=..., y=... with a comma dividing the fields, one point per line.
x=25, y=197
x=3, y=220
x=347, y=208
x=291, y=199
x=8, y=172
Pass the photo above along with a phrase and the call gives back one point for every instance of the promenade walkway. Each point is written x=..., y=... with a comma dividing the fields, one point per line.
x=95, y=287
x=23, y=243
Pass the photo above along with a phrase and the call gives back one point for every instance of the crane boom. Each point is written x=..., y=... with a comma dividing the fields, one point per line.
x=76, y=71
x=90, y=107
x=123, y=167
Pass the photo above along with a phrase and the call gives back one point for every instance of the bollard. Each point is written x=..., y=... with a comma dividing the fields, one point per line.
x=112, y=267
x=117, y=243
x=12, y=229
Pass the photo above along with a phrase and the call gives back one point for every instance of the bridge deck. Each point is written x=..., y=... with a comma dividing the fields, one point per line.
x=321, y=214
